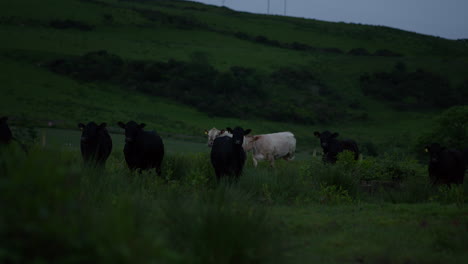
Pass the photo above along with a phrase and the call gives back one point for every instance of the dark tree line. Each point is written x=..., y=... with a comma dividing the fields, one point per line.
x=287, y=94
x=413, y=90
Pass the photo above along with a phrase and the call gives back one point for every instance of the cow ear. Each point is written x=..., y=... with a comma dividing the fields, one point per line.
x=229, y=129
x=221, y=131
x=317, y=134
x=142, y=125
x=3, y=118
x=255, y=138
x=102, y=125
x=246, y=132
x=122, y=125
x=206, y=132
x=81, y=126
x=334, y=135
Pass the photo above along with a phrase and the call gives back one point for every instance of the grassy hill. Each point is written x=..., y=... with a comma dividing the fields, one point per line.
x=183, y=67
x=36, y=33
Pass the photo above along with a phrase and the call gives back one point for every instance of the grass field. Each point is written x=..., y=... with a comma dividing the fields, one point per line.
x=380, y=209
x=292, y=214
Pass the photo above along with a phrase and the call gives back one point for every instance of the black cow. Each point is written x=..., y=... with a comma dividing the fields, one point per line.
x=5, y=133
x=465, y=153
x=446, y=166
x=96, y=143
x=332, y=146
x=143, y=149
x=227, y=154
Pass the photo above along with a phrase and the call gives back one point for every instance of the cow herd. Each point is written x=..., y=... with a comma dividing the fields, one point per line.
x=144, y=150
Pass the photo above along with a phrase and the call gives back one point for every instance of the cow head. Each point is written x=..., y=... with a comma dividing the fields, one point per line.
x=213, y=134
x=434, y=151
x=91, y=131
x=325, y=138
x=249, y=142
x=132, y=130
x=238, y=134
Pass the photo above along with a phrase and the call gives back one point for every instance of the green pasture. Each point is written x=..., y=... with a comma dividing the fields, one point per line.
x=302, y=211
x=377, y=210
x=30, y=93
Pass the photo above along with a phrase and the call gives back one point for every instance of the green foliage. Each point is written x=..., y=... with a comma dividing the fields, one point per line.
x=450, y=130
x=239, y=92
x=220, y=226
x=412, y=90
x=391, y=166
x=344, y=174
x=74, y=214
x=450, y=195
x=333, y=195
x=299, y=211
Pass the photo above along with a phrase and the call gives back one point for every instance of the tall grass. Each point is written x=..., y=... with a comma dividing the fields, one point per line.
x=54, y=210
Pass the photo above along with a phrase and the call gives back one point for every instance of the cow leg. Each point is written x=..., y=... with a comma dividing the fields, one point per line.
x=272, y=160
x=255, y=162
x=218, y=174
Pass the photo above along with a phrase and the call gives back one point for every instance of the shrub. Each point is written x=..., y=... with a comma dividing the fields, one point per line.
x=344, y=174
x=450, y=194
x=332, y=195
x=70, y=24
x=387, y=53
x=359, y=52
x=409, y=90
x=450, y=130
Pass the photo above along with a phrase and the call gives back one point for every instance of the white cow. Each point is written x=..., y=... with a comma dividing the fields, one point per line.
x=271, y=147
x=214, y=133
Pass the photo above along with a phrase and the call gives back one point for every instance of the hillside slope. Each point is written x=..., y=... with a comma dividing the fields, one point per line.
x=335, y=54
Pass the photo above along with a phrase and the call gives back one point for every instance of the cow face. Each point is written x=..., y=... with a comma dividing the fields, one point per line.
x=238, y=134
x=434, y=151
x=90, y=131
x=213, y=134
x=249, y=142
x=325, y=138
x=132, y=130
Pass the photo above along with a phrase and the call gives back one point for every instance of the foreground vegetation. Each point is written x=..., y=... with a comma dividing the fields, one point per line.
x=378, y=210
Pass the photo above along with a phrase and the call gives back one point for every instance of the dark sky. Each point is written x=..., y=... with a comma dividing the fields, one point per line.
x=443, y=18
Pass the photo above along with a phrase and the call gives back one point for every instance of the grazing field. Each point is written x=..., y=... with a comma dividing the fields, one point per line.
x=183, y=67
x=57, y=210
x=152, y=32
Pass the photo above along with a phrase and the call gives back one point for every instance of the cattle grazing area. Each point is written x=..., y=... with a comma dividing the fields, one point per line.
x=375, y=210
x=325, y=163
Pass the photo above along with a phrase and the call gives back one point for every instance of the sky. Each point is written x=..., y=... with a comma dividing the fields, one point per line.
x=442, y=18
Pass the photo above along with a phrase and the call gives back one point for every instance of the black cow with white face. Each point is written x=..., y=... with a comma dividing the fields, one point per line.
x=143, y=149
x=446, y=166
x=227, y=154
x=5, y=133
x=96, y=143
x=332, y=146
